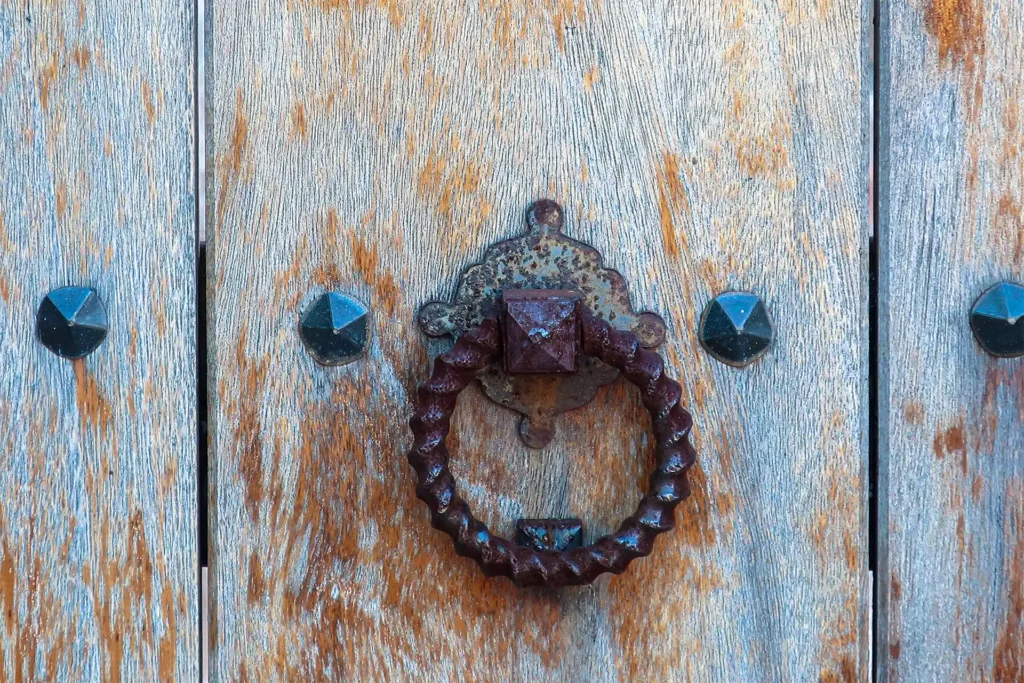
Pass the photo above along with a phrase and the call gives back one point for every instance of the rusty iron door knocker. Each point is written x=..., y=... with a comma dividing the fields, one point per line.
x=562, y=324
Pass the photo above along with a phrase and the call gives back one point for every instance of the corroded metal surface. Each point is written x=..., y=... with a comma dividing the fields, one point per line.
x=453, y=371
x=542, y=331
x=550, y=534
x=542, y=258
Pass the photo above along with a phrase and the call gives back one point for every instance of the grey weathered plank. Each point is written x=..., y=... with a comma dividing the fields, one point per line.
x=378, y=148
x=98, y=569
x=953, y=449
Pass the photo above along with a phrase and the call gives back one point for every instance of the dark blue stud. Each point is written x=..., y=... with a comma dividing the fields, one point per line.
x=997, y=320
x=736, y=328
x=335, y=329
x=71, y=322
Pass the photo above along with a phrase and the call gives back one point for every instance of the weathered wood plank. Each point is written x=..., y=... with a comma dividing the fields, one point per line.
x=954, y=576
x=98, y=571
x=378, y=148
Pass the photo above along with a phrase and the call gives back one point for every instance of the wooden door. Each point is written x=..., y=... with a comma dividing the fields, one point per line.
x=952, y=544
x=98, y=561
x=378, y=149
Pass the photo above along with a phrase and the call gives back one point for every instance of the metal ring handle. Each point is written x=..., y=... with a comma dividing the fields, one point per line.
x=436, y=486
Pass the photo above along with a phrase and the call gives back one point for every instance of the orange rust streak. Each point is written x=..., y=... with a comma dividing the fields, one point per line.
x=672, y=199
x=959, y=28
x=93, y=408
x=8, y=584
x=167, y=653
x=249, y=432
x=299, y=120
x=366, y=260
x=147, y=101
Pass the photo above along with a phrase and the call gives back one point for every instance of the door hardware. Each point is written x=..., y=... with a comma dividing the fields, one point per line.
x=541, y=309
x=335, y=329
x=542, y=259
x=71, y=322
x=997, y=320
x=736, y=329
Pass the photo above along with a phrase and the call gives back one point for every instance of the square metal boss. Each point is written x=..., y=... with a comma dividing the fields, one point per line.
x=541, y=330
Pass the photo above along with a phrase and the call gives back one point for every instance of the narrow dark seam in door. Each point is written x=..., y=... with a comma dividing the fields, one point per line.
x=202, y=459
x=878, y=490
x=202, y=405
x=202, y=447
x=873, y=306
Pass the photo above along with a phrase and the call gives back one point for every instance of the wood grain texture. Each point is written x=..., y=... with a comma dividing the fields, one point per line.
x=98, y=570
x=378, y=148
x=954, y=576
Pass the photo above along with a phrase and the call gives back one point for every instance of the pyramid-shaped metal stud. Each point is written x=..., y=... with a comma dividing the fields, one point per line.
x=997, y=320
x=541, y=328
x=71, y=322
x=549, y=534
x=335, y=329
x=736, y=328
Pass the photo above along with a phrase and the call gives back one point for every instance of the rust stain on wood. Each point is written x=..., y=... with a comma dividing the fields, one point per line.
x=894, y=635
x=693, y=516
x=1007, y=235
x=61, y=197
x=913, y=413
x=765, y=155
x=951, y=440
x=257, y=582
x=298, y=118
x=329, y=540
x=393, y=8
x=252, y=376
x=167, y=653
x=147, y=102
x=82, y=57
x=846, y=673
x=959, y=28
x=136, y=575
x=93, y=408
x=672, y=201
x=8, y=585
x=239, y=135
x=132, y=581
x=49, y=75
x=449, y=177
x=1008, y=657
x=237, y=147
x=977, y=486
x=366, y=260
x=564, y=15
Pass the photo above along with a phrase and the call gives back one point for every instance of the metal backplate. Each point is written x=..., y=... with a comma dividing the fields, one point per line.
x=543, y=258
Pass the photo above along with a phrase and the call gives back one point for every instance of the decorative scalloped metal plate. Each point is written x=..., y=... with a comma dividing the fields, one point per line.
x=542, y=258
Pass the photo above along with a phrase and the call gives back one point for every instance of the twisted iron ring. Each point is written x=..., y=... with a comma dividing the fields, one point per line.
x=454, y=370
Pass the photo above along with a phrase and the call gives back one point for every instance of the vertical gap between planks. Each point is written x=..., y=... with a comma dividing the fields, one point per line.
x=878, y=526
x=870, y=42
x=202, y=410
x=872, y=299
x=202, y=449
